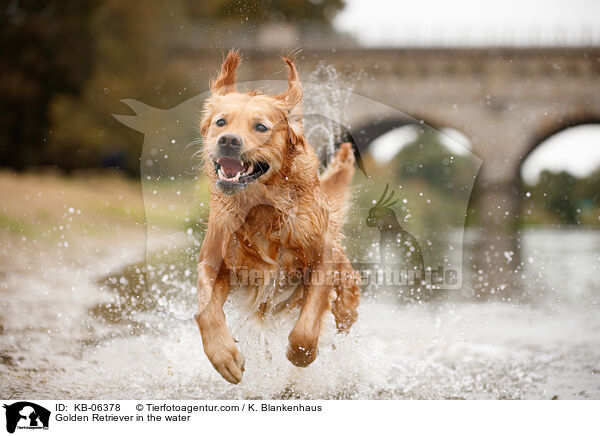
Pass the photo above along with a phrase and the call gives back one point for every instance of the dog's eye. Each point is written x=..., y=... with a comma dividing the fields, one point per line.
x=261, y=127
x=221, y=122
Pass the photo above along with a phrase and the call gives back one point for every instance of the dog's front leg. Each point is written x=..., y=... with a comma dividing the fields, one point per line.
x=218, y=344
x=304, y=337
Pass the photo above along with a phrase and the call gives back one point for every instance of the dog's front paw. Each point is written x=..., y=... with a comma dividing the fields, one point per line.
x=227, y=360
x=301, y=351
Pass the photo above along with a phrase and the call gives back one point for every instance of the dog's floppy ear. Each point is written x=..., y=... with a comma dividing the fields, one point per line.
x=225, y=82
x=293, y=99
x=293, y=95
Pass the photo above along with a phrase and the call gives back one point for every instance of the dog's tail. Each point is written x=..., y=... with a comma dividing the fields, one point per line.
x=336, y=179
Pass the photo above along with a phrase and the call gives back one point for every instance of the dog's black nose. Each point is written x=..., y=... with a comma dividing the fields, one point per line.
x=230, y=142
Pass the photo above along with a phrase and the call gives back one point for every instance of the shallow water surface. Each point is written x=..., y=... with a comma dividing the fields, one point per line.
x=117, y=341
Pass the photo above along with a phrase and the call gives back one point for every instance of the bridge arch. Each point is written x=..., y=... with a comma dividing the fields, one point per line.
x=557, y=127
x=541, y=135
x=580, y=135
x=365, y=133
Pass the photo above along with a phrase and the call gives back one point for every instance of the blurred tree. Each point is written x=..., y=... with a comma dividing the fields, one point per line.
x=67, y=64
x=556, y=190
x=562, y=198
x=132, y=42
x=588, y=189
x=427, y=158
x=47, y=49
x=587, y=194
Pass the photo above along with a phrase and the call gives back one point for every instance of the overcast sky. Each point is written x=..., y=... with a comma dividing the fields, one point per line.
x=471, y=22
x=484, y=23
x=576, y=150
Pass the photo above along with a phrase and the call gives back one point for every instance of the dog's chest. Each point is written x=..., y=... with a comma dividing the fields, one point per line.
x=265, y=246
x=268, y=270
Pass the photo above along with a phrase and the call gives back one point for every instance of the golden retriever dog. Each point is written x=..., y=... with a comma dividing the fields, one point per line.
x=270, y=213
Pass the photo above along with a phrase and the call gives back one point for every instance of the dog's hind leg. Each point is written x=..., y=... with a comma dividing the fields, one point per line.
x=347, y=294
x=339, y=173
x=335, y=183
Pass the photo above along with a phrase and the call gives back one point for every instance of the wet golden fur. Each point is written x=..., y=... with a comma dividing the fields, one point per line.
x=289, y=220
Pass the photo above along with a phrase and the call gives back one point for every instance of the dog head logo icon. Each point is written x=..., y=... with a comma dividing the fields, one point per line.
x=26, y=415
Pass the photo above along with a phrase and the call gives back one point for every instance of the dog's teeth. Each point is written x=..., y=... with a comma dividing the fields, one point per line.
x=223, y=176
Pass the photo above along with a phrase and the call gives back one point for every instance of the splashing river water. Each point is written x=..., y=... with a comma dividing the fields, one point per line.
x=108, y=345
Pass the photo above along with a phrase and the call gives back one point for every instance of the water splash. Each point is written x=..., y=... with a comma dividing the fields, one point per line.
x=332, y=102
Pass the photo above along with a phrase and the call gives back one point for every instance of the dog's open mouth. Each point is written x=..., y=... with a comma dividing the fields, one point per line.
x=232, y=171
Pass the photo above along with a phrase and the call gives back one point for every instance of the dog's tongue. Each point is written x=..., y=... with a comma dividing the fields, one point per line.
x=231, y=166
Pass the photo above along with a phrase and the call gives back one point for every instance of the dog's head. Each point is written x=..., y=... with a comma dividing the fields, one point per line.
x=250, y=137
